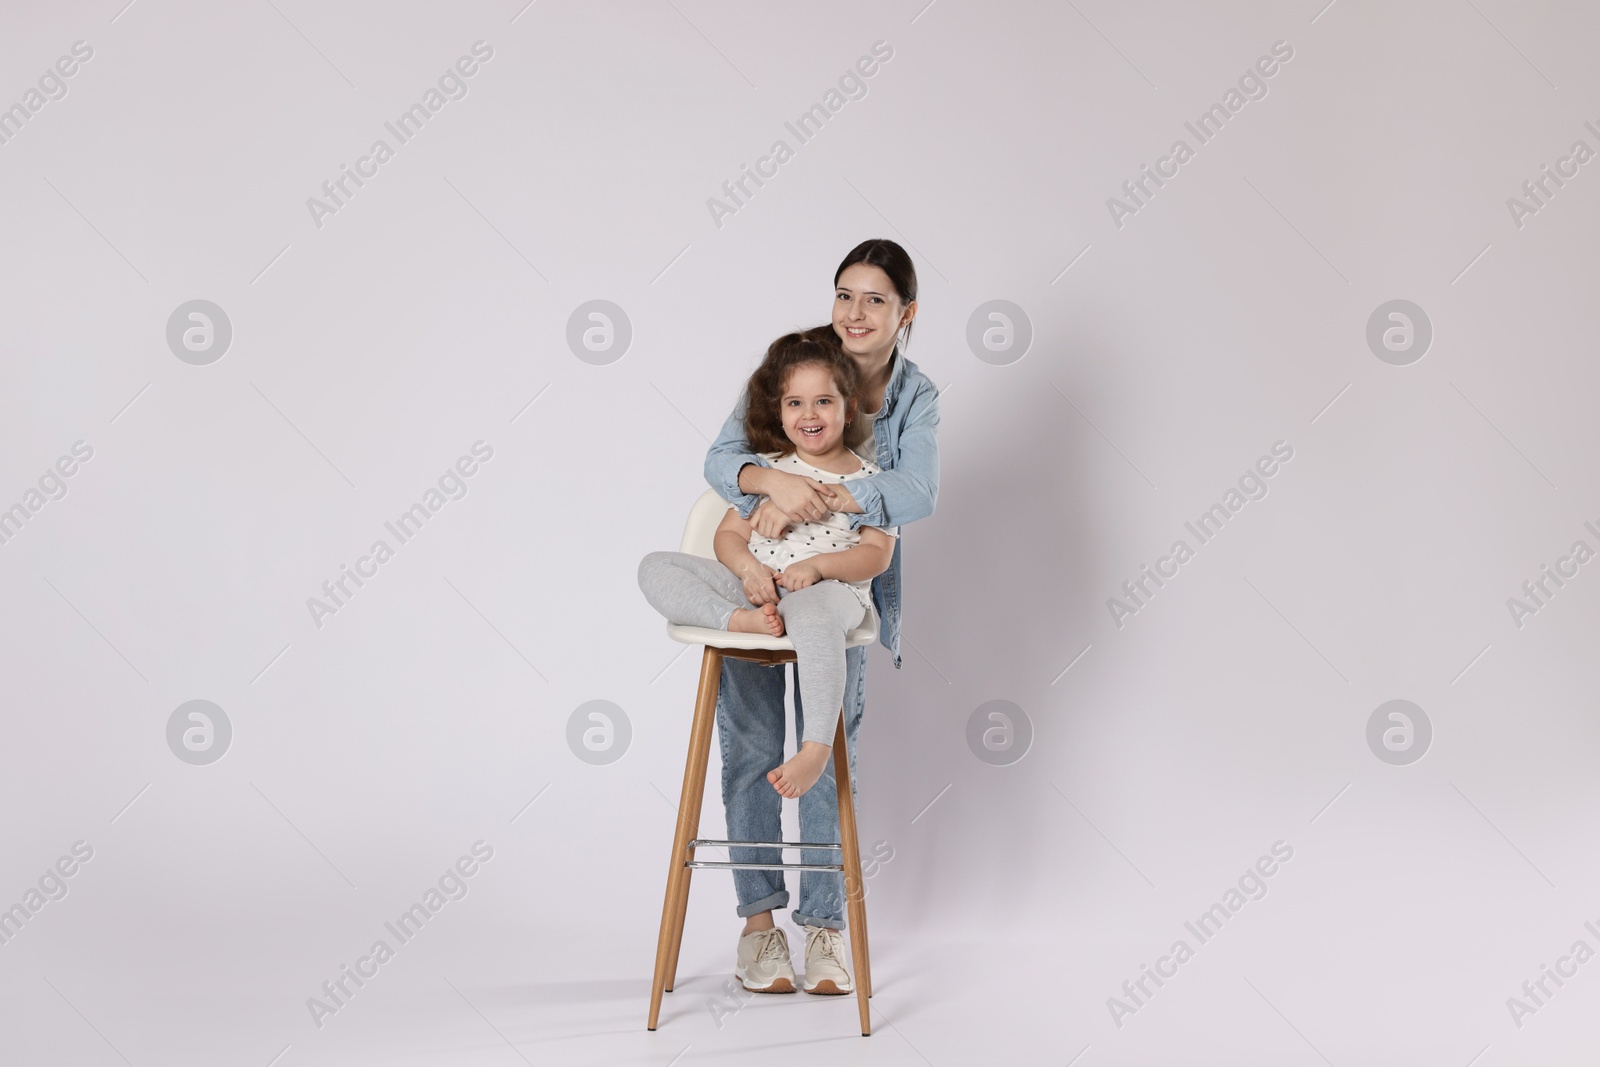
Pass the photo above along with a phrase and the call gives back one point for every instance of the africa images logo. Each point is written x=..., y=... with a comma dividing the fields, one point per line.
x=1205, y=128
x=452, y=85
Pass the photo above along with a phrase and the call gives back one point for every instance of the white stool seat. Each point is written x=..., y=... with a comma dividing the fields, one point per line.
x=864, y=634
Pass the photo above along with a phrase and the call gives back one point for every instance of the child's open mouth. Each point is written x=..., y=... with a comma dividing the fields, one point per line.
x=811, y=431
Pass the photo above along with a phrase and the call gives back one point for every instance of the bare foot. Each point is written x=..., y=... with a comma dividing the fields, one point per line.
x=762, y=620
x=802, y=770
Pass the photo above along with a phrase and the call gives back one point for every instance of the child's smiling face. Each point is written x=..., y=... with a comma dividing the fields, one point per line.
x=814, y=412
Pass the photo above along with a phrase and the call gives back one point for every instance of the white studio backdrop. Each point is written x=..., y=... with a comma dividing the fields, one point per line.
x=1339, y=346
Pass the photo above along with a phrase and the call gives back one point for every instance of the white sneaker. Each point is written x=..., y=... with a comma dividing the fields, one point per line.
x=763, y=963
x=825, y=971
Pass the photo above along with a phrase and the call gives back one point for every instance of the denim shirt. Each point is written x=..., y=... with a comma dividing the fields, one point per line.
x=906, y=435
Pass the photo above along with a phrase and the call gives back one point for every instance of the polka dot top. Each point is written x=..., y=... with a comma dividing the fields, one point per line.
x=831, y=534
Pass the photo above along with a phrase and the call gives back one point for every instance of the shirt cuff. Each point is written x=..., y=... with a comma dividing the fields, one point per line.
x=871, y=502
x=744, y=502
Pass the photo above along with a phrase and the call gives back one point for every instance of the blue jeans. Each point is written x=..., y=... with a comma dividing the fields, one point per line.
x=750, y=726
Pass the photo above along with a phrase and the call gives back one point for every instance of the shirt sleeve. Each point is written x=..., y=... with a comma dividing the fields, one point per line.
x=909, y=491
x=727, y=457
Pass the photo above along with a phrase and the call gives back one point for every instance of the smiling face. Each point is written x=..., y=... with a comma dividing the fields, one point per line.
x=814, y=412
x=868, y=313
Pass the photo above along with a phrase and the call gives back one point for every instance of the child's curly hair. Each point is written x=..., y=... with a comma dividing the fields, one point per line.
x=763, y=420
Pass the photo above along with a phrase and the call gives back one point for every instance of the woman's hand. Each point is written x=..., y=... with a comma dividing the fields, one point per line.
x=768, y=521
x=758, y=585
x=800, y=498
x=799, y=575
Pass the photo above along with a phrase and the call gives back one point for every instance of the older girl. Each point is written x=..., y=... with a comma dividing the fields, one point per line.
x=874, y=302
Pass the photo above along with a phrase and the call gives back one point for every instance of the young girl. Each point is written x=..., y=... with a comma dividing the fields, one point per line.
x=814, y=582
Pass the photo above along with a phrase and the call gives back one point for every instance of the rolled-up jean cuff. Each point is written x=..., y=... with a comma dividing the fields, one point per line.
x=780, y=899
x=811, y=920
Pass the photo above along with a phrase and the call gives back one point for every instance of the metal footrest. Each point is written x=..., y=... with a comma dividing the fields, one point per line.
x=731, y=866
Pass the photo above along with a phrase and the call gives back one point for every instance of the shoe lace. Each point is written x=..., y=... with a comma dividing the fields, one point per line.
x=774, y=947
x=825, y=942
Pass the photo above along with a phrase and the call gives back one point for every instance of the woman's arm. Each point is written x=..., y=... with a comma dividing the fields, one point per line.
x=909, y=491
x=728, y=460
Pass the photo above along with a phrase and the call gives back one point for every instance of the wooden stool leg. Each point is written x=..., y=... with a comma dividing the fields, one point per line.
x=859, y=922
x=705, y=705
x=675, y=905
x=678, y=922
x=855, y=906
x=864, y=972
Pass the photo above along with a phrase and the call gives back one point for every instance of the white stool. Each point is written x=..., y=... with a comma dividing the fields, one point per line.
x=698, y=533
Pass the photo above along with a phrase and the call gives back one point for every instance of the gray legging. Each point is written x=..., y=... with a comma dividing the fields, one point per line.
x=694, y=591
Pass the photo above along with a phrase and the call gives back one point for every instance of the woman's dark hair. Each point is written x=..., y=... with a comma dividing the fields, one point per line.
x=819, y=346
x=890, y=258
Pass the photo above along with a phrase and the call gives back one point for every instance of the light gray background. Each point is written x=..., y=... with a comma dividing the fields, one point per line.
x=1168, y=354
